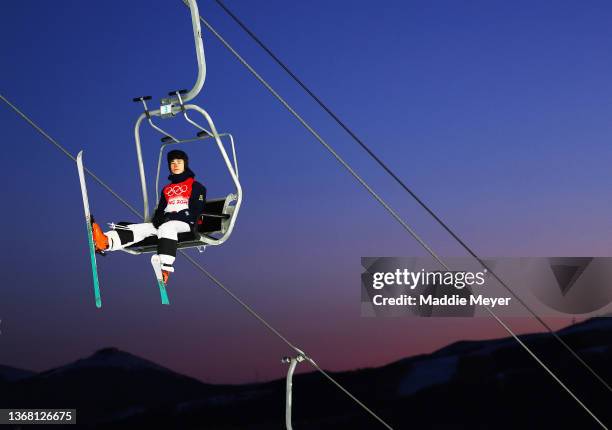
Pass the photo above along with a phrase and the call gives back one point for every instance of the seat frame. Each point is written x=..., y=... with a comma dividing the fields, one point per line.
x=213, y=228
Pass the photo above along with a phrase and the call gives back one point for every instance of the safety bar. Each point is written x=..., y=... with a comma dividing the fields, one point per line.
x=203, y=130
x=148, y=115
x=217, y=138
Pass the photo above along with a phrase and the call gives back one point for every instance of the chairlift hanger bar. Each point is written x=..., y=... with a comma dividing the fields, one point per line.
x=201, y=60
x=293, y=362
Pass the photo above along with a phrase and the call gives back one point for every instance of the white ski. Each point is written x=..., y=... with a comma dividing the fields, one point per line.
x=156, y=263
x=88, y=221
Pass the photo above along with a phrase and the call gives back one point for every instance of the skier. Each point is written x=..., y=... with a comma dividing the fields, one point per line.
x=180, y=204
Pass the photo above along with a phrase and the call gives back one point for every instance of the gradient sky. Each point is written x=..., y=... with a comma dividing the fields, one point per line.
x=497, y=114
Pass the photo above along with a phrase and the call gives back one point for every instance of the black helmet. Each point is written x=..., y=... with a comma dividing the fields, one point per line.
x=180, y=155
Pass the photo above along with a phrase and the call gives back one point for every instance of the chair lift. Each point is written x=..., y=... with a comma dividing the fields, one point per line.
x=216, y=224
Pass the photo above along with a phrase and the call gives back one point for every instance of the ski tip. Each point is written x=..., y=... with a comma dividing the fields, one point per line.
x=80, y=154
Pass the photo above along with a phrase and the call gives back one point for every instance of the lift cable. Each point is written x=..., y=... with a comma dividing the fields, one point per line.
x=199, y=267
x=408, y=190
x=376, y=196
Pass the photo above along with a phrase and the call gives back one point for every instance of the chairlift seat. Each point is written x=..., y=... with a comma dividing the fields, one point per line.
x=210, y=222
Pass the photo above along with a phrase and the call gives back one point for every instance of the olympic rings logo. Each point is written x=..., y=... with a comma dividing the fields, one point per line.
x=176, y=190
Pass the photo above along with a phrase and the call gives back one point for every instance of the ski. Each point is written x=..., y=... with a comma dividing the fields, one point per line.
x=156, y=263
x=88, y=221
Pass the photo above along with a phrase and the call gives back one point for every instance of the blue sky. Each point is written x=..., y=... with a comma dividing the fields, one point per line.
x=497, y=114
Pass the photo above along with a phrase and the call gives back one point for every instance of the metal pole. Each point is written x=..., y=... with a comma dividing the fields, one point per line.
x=293, y=361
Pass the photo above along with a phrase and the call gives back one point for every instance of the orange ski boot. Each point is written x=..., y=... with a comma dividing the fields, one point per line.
x=165, y=275
x=100, y=239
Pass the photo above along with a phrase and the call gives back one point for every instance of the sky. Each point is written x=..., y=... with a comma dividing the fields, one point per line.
x=496, y=114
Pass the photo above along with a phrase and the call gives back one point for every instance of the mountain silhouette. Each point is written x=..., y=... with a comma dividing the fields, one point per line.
x=8, y=373
x=468, y=384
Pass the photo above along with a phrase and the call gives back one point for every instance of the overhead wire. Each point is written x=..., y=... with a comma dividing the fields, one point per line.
x=430, y=211
x=199, y=267
x=261, y=319
x=372, y=192
x=404, y=186
x=362, y=182
x=382, y=202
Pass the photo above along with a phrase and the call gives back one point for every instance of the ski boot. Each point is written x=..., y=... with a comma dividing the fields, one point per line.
x=100, y=239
